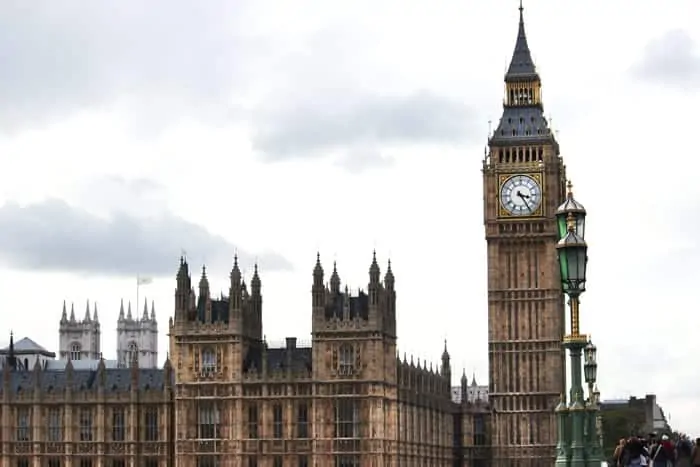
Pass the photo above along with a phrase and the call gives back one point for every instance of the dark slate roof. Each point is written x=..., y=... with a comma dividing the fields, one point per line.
x=117, y=379
x=526, y=123
x=219, y=309
x=279, y=359
x=26, y=346
x=521, y=65
x=359, y=306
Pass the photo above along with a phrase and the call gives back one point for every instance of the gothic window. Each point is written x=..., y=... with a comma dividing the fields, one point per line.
x=132, y=353
x=303, y=461
x=302, y=420
x=479, y=430
x=347, y=460
x=252, y=461
x=347, y=418
x=24, y=417
x=208, y=461
x=253, y=421
x=85, y=425
x=75, y=351
x=277, y=421
x=346, y=360
x=150, y=462
x=209, y=422
x=118, y=462
x=209, y=362
x=118, y=424
x=277, y=461
x=85, y=462
x=23, y=462
x=151, y=423
x=55, y=425
x=53, y=462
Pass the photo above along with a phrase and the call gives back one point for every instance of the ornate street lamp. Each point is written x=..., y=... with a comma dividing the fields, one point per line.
x=590, y=372
x=590, y=367
x=575, y=446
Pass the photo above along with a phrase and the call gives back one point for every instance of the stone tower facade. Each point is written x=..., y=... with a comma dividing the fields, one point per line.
x=79, y=339
x=524, y=182
x=354, y=342
x=346, y=400
x=137, y=337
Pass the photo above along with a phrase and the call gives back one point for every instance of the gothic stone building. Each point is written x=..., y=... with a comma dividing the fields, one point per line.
x=225, y=398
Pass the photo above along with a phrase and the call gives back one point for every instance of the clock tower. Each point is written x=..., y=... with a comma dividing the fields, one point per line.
x=524, y=182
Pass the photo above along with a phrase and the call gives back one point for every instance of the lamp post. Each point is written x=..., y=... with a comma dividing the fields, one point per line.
x=590, y=372
x=575, y=446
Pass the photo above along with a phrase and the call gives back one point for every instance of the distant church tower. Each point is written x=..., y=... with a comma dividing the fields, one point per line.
x=137, y=337
x=524, y=182
x=79, y=340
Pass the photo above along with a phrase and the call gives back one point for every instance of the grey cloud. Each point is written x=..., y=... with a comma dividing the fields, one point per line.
x=670, y=60
x=165, y=58
x=325, y=125
x=55, y=236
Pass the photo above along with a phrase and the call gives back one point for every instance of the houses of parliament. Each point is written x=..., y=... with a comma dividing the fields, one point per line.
x=224, y=398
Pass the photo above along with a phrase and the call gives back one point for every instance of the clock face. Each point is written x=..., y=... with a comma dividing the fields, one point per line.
x=521, y=195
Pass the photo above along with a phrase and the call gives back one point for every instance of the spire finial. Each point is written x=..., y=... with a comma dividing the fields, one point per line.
x=569, y=189
x=521, y=8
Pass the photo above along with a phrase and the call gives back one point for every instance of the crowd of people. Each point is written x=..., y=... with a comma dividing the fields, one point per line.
x=654, y=451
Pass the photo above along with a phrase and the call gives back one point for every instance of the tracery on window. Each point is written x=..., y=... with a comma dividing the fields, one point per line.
x=346, y=360
x=132, y=353
x=75, y=351
x=209, y=361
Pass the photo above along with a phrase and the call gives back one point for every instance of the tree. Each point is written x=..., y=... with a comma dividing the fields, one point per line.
x=620, y=422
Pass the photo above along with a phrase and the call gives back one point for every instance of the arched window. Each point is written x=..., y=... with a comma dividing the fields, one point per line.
x=208, y=361
x=75, y=351
x=346, y=362
x=132, y=352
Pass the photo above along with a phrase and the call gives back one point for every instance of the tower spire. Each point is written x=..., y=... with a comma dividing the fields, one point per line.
x=521, y=64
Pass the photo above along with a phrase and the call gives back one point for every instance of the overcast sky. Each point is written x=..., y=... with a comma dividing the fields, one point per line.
x=132, y=132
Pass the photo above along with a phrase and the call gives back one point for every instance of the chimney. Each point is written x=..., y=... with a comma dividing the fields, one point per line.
x=291, y=343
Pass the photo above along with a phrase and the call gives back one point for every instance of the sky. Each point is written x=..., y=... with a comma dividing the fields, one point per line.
x=132, y=132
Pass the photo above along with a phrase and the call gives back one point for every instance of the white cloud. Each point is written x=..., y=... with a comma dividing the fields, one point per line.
x=182, y=99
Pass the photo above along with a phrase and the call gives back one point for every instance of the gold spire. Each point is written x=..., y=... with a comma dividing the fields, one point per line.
x=569, y=189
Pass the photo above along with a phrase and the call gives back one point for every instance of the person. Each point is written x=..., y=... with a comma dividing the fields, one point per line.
x=619, y=450
x=684, y=449
x=695, y=454
x=634, y=454
x=662, y=453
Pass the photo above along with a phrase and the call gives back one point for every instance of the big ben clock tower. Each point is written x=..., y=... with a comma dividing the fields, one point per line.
x=524, y=182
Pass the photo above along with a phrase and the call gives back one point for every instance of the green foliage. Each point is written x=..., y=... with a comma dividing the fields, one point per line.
x=620, y=423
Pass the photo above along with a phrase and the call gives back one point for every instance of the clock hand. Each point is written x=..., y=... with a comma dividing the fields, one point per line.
x=525, y=198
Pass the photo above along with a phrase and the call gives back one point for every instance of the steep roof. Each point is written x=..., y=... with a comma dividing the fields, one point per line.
x=26, y=346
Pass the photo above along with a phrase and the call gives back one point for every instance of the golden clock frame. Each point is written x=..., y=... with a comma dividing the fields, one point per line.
x=504, y=213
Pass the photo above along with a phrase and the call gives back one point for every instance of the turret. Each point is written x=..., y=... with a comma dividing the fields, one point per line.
x=317, y=289
x=446, y=370
x=182, y=291
x=256, y=305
